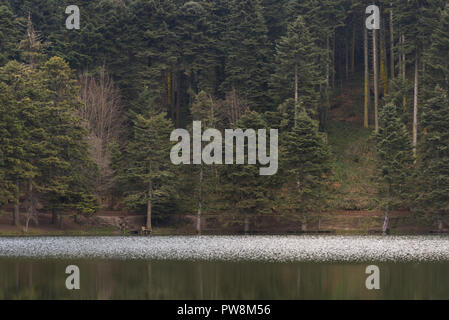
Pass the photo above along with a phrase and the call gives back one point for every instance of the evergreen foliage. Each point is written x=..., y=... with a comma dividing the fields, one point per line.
x=433, y=159
x=395, y=160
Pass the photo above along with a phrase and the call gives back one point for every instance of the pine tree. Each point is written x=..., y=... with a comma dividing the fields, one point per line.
x=13, y=165
x=67, y=169
x=417, y=20
x=158, y=53
x=242, y=187
x=20, y=131
x=197, y=59
x=9, y=34
x=366, y=79
x=322, y=19
x=51, y=161
x=433, y=159
x=395, y=160
x=305, y=162
x=296, y=73
x=276, y=17
x=247, y=53
x=203, y=110
x=436, y=56
x=149, y=169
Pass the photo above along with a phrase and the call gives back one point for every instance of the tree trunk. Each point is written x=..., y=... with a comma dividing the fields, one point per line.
x=415, y=106
x=296, y=84
x=333, y=62
x=386, y=222
x=304, y=223
x=178, y=100
x=346, y=58
x=169, y=103
x=171, y=93
x=353, y=51
x=327, y=62
x=16, y=214
x=367, y=94
x=246, y=223
x=16, y=210
x=200, y=203
x=61, y=221
x=27, y=223
x=149, y=204
x=392, y=67
x=296, y=93
x=404, y=69
x=54, y=216
x=30, y=209
x=387, y=217
x=376, y=82
x=383, y=56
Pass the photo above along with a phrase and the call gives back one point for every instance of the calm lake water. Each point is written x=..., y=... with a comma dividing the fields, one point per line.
x=240, y=267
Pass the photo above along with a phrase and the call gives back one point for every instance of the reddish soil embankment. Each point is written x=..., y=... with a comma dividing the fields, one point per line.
x=115, y=223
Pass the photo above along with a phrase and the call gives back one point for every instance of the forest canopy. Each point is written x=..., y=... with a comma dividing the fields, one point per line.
x=86, y=114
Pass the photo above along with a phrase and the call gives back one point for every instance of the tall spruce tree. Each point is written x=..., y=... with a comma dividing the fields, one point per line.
x=243, y=188
x=247, y=53
x=433, y=159
x=395, y=161
x=296, y=73
x=306, y=164
x=10, y=27
x=49, y=155
x=13, y=163
x=149, y=170
x=67, y=170
x=436, y=56
x=203, y=110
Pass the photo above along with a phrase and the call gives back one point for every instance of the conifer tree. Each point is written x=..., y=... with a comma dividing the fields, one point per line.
x=436, y=56
x=247, y=53
x=395, y=160
x=13, y=164
x=242, y=186
x=67, y=170
x=305, y=161
x=148, y=163
x=203, y=110
x=433, y=159
x=276, y=17
x=52, y=159
x=9, y=34
x=20, y=130
x=296, y=73
x=158, y=59
x=417, y=20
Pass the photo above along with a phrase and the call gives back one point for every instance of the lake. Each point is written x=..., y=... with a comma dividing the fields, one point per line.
x=225, y=267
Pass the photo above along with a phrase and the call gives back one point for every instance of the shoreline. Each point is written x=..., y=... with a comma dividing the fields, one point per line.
x=342, y=222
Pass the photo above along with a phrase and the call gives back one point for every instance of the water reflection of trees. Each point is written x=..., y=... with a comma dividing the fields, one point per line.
x=110, y=279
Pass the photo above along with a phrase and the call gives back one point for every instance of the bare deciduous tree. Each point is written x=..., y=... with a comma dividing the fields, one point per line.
x=101, y=108
x=234, y=107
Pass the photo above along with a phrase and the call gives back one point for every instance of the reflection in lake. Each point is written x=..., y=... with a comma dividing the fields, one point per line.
x=258, y=267
x=137, y=279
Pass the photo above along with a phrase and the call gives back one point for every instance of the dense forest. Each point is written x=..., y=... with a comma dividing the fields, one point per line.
x=86, y=115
